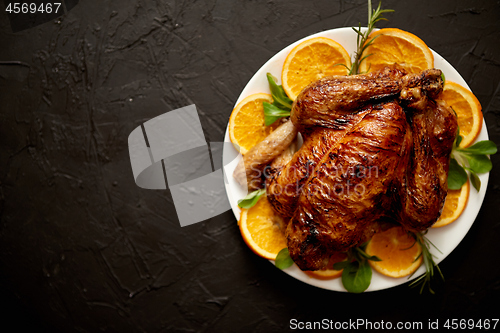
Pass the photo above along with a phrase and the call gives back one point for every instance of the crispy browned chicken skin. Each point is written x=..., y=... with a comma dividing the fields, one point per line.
x=376, y=146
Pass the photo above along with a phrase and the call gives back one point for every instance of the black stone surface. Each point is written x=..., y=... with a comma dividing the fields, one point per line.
x=83, y=249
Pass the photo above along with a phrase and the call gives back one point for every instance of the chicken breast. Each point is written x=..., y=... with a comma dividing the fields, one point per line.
x=284, y=183
x=348, y=189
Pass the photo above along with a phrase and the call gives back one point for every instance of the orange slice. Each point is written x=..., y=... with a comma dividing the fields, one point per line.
x=310, y=61
x=396, y=46
x=455, y=203
x=328, y=272
x=246, y=124
x=400, y=252
x=262, y=229
x=467, y=108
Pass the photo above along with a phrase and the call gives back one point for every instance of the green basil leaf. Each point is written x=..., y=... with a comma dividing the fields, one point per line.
x=251, y=199
x=366, y=255
x=280, y=98
x=479, y=163
x=340, y=265
x=269, y=120
x=458, y=137
x=443, y=78
x=273, y=113
x=357, y=276
x=283, y=259
x=474, y=179
x=486, y=147
x=455, y=112
x=456, y=175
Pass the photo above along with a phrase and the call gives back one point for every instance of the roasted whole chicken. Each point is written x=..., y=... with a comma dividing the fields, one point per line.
x=376, y=147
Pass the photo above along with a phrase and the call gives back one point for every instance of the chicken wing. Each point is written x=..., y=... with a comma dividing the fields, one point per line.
x=250, y=169
x=334, y=100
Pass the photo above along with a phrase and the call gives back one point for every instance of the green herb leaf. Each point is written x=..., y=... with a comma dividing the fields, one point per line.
x=456, y=175
x=362, y=38
x=474, y=179
x=458, y=137
x=340, y=265
x=366, y=255
x=251, y=199
x=443, y=78
x=273, y=113
x=282, y=105
x=357, y=276
x=479, y=163
x=280, y=98
x=283, y=259
x=486, y=147
x=430, y=265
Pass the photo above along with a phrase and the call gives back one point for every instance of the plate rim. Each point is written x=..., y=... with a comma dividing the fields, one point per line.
x=379, y=282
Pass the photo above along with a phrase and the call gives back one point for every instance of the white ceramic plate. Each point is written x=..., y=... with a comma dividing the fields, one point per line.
x=445, y=238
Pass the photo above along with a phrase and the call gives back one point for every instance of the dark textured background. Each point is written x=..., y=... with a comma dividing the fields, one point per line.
x=82, y=248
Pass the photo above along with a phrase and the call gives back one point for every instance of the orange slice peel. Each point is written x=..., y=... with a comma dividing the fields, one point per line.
x=311, y=60
x=468, y=110
x=399, y=251
x=262, y=229
x=394, y=46
x=246, y=123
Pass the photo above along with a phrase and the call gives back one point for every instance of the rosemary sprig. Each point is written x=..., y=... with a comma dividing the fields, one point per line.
x=373, y=17
x=430, y=265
